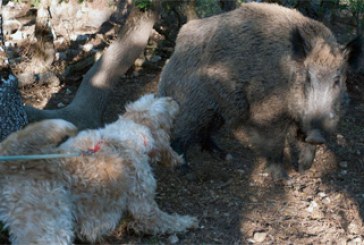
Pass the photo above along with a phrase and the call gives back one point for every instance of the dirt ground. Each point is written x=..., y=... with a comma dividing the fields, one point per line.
x=235, y=201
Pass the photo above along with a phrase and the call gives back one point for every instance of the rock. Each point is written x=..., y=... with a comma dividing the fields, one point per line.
x=355, y=241
x=326, y=200
x=343, y=164
x=251, y=241
x=340, y=139
x=229, y=157
x=88, y=47
x=290, y=182
x=18, y=36
x=60, y=105
x=353, y=228
x=136, y=73
x=343, y=172
x=259, y=236
x=173, y=239
x=155, y=58
x=139, y=62
x=68, y=91
x=241, y=171
x=253, y=199
x=313, y=205
x=265, y=174
x=322, y=194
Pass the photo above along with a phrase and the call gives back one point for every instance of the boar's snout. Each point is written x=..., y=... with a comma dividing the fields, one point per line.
x=315, y=137
x=320, y=126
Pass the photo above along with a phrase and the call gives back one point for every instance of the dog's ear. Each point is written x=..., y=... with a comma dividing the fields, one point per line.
x=131, y=133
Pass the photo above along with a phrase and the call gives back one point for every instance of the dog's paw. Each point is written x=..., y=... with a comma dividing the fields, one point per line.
x=177, y=160
x=185, y=222
x=173, y=107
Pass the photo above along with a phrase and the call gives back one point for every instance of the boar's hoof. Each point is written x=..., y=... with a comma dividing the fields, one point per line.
x=184, y=169
x=306, y=157
x=277, y=172
x=315, y=137
x=207, y=144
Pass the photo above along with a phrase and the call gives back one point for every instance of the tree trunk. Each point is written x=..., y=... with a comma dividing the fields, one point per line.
x=87, y=108
x=44, y=51
x=190, y=10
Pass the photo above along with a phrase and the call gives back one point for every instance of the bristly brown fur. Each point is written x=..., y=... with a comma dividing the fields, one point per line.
x=262, y=66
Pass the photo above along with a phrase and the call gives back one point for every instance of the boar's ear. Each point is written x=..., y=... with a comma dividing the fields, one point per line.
x=300, y=48
x=353, y=51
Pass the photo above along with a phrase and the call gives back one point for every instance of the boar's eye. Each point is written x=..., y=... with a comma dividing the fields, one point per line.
x=337, y=82
x=308, y=79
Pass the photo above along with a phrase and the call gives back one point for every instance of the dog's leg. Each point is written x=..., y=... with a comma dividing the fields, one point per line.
x=98, y=214
x=163, y=151
x=148, y=218
x=170, y=158
x=37, y=135
x=36, y=212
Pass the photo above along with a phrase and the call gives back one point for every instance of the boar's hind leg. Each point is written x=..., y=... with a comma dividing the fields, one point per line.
x=198, y=128
x=206, y=141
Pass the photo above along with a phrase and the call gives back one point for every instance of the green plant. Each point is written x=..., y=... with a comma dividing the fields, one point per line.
x=356, y=7
x=143, y=5
x=205, y=8
x=35, y=3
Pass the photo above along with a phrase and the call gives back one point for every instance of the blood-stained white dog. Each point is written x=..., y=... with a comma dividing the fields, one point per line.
x=51, y=201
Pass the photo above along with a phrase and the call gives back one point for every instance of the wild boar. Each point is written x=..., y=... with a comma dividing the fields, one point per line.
x=263, y=66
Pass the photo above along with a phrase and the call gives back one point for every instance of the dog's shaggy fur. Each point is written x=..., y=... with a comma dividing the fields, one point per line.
x=49, y=201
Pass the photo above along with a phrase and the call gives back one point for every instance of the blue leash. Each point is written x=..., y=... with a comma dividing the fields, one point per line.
x=88, y=152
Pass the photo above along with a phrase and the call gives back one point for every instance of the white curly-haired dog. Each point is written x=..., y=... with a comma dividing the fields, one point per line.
x=49, y=201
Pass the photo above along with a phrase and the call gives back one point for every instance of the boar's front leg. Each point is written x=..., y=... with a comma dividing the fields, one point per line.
x=306, y=156
x=269, y=142
x=301, y=153
x=196, y=125
x=306, y=153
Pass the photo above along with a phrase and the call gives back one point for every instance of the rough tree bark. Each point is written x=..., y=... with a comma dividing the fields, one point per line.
x=190, y=10
x=88, y=106
x=38, y=69
x=44, y=48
